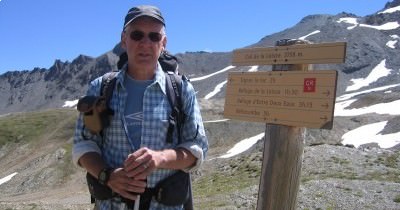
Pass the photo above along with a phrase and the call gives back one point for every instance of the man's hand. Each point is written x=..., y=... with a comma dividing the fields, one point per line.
x=144, y=161
x=125, y=186
x=141, y=163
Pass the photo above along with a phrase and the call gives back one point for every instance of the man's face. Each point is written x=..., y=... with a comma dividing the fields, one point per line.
x=143, y=41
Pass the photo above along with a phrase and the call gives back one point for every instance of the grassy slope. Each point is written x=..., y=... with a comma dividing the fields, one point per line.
x=29, y=138
x=220, y=183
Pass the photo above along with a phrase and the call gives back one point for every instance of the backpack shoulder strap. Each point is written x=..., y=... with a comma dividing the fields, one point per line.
x=174, y=90
x=177, y=118
x=107, y=87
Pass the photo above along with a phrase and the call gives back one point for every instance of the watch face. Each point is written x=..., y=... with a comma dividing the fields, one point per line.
x=103, y=177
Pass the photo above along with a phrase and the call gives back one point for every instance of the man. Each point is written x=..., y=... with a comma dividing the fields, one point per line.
x=132, y=154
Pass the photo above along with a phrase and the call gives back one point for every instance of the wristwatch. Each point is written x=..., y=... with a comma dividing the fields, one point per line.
x=104, y=175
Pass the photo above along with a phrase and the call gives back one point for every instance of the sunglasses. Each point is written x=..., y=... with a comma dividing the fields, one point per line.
x=139, y=35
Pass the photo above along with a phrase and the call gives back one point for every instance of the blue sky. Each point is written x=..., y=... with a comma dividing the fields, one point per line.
x=33, y=33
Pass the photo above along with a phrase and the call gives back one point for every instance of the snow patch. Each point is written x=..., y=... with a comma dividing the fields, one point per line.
x=253, y=69
x=384, y=27
x=213, y=74
x=391, y=108
x=215, y=121
x=390, y=10
x=351, y=95
x=216, y=90
x=371, y=133
x=242, y=146
x=70, y=104
x=310, y=34
x=7, y=178
x=352, y=21
x=391, y=44
x=379, y=71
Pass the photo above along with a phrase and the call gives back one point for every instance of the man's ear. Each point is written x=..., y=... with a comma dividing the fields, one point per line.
x=164, y=44
x=123, y=39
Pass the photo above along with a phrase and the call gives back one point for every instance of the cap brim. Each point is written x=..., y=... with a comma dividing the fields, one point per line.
x=144, y=15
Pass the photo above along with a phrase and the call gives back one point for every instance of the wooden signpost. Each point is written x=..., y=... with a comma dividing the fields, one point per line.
x=295, y=98
x=291, y=54
x=288, y=101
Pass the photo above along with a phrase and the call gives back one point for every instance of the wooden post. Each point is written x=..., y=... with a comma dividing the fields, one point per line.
x=282, y=157
x=285, y=103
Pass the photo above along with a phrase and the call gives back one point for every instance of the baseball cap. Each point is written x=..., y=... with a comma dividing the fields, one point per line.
x=143, y=10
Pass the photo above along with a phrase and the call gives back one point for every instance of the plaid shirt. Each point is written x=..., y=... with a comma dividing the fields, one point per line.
x=116, y=146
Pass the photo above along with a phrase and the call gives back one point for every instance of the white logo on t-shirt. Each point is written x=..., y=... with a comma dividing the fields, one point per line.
x=138, y=116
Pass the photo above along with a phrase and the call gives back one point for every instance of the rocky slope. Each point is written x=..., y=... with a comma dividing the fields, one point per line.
x=333, y=177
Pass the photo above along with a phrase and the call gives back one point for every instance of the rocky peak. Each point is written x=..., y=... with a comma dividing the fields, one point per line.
x=394, y=3
x=81, y=59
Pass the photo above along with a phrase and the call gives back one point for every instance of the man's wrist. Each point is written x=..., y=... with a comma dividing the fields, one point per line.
x=104, y=175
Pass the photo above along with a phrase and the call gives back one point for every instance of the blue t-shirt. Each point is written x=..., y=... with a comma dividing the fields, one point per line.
x=134, y=108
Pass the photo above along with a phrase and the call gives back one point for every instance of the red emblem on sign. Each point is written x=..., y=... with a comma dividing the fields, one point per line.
x=309, y=85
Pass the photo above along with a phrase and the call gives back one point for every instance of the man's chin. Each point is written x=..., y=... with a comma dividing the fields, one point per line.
x=145, y=63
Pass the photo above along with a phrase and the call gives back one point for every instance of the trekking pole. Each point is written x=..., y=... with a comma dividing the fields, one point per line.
x=137, y=203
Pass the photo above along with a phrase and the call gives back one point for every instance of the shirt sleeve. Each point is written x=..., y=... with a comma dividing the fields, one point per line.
x=84, y=141
x=193, y=134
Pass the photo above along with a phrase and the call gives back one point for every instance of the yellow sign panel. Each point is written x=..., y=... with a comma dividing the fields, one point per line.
x=293, y=98
x=292, y=54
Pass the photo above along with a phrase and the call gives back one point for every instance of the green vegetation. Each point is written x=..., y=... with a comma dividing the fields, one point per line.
x=65, y=166
x=340, y=161
x=31, y=126
x=43, y=128
x=388, y=162
x=392, y=161
x=390, y=175
x=238, y=175
x=397, y=199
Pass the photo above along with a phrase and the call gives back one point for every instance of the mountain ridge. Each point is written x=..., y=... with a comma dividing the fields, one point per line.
x=68, y=80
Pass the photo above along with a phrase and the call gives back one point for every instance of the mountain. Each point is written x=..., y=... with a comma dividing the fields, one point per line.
x=353, y=166
x=366, y=48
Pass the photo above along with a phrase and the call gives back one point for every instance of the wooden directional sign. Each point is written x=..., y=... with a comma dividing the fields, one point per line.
x=292, y=54
x=293, y=98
